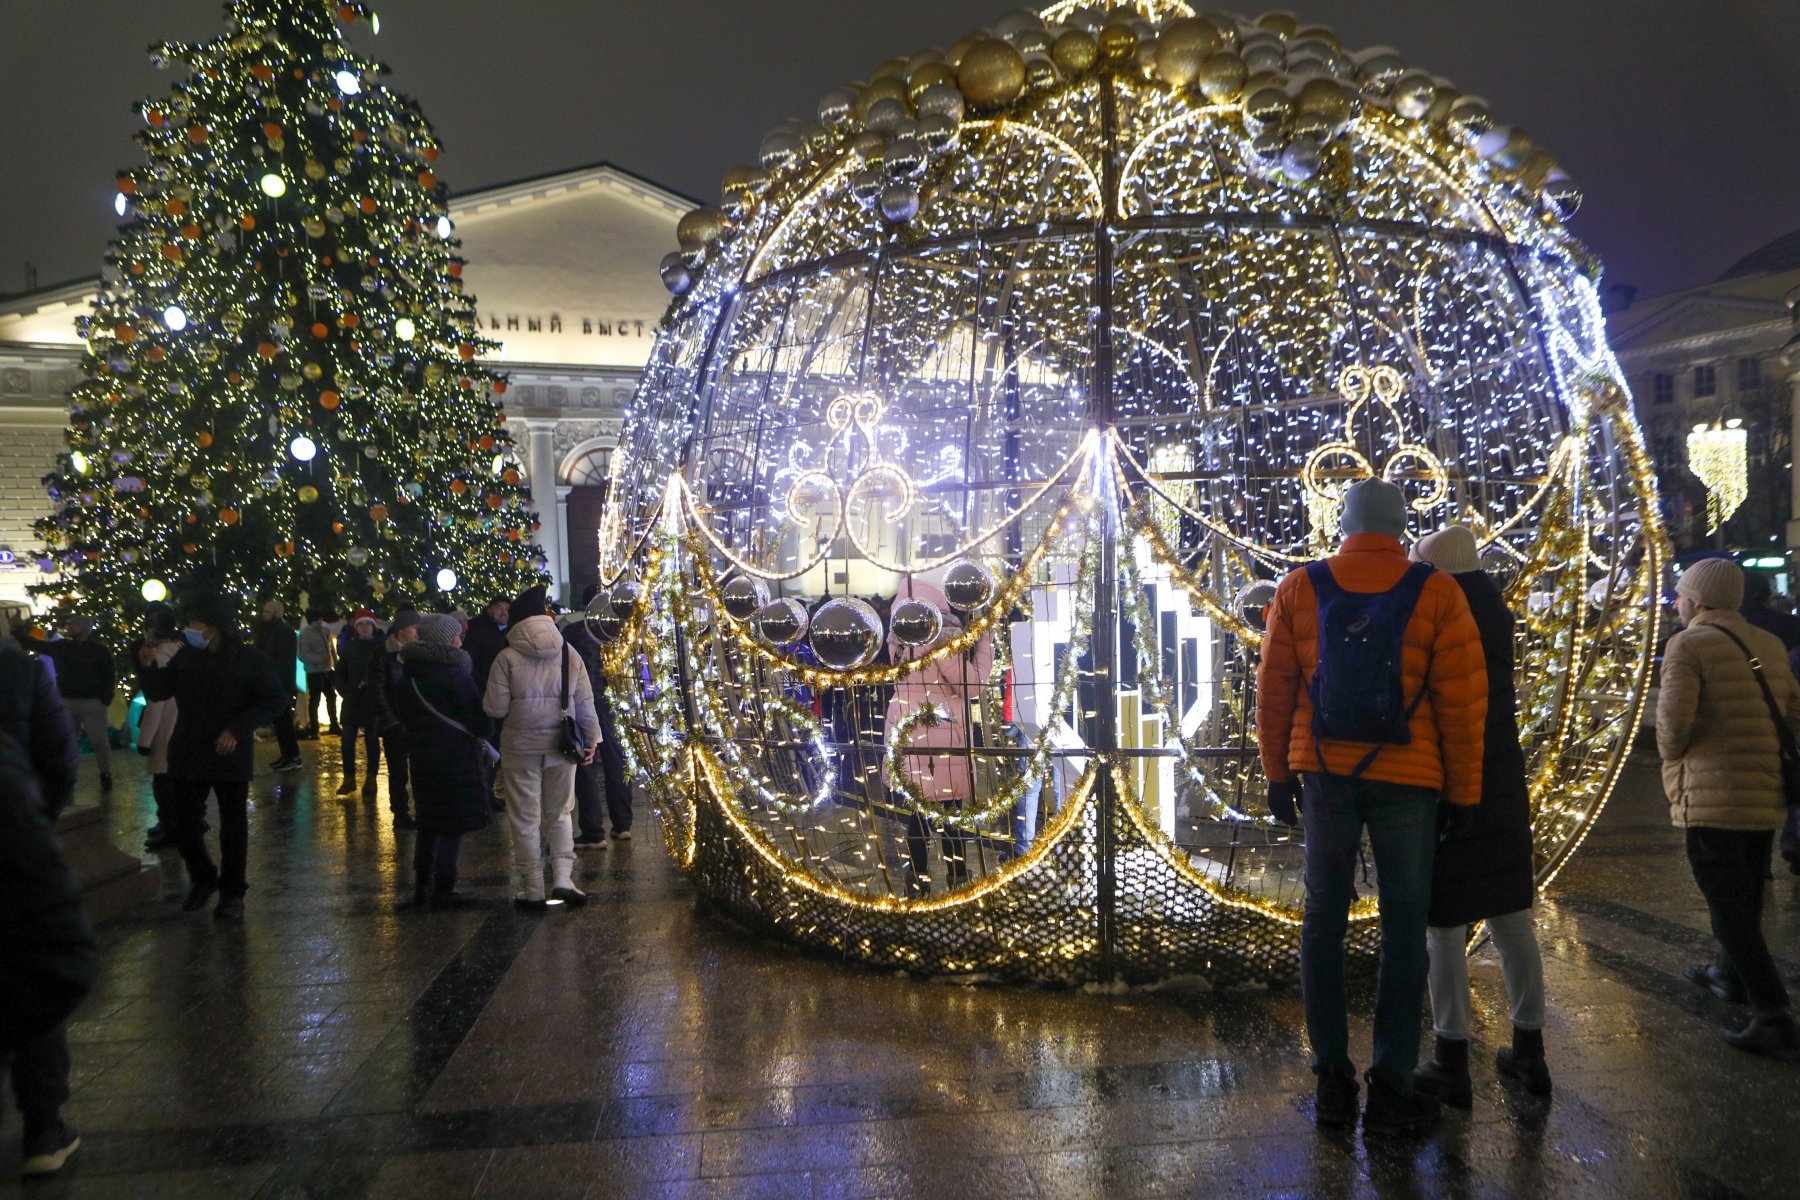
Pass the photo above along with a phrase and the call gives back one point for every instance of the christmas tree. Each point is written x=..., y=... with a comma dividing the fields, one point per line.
x=282, y=397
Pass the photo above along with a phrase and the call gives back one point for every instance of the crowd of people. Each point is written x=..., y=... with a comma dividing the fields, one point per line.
x=1386, y=709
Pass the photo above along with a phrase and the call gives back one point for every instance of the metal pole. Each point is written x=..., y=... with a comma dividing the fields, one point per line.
x=1106, y=617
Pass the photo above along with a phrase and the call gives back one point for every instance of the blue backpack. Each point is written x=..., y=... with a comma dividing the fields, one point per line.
x=1357, y=691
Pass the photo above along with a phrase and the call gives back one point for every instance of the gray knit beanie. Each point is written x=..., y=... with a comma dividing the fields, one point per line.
x=440, y=629
x=1714, y=583
x=1374, y=506
x=1451, y=549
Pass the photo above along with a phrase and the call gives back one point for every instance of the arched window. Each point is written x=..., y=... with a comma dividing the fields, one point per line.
x=588, y=465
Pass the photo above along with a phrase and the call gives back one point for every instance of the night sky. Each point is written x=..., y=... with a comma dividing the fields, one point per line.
x=1680, y=118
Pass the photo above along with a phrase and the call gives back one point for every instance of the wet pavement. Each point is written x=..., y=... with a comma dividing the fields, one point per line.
x=337, y=1044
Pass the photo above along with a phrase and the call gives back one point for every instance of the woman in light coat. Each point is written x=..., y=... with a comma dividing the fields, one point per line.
x=524, y=694
x=155, y=726
x=1722, y=772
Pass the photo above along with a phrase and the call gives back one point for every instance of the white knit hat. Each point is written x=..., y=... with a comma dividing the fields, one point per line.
x=1713, y=583
x=1450, y=549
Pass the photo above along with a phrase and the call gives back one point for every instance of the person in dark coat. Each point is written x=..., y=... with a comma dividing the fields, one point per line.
x=33, y=714
x=486, y=638
x=446, y=743
x=357, y=712
x=1759, y=609
x=1484, y=872
x=275, y=638
x=47, y=947
x=224, y=692
x=600, y=788
x=383, y=676
x=87, y=677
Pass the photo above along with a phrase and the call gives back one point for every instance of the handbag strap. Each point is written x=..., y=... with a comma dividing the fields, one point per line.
x=1781, y=726
x=565, y=679
x=452, y=722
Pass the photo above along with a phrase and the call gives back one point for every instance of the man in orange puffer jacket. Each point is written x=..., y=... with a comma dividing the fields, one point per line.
x=1394, y=788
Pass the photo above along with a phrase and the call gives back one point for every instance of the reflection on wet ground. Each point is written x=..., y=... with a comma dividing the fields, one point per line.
x=337, y=1044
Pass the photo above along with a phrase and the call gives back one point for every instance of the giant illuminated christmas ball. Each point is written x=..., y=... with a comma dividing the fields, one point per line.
x=992, y=403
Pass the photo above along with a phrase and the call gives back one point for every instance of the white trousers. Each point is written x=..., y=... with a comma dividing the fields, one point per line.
x=539, y=790
x=1521, y=965
x=90, y=715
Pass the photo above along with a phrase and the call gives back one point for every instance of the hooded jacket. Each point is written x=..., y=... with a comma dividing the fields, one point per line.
x=1721, y=757
x=318, y=650
x=524, y=690
x=1441, y=656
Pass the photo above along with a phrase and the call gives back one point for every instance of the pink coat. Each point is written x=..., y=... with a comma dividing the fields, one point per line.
x=955, y=684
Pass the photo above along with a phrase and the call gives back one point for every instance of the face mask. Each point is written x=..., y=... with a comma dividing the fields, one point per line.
x=195, y=638
x=502, y=627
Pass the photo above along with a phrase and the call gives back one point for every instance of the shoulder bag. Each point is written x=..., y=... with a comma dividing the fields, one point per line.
x=486, y=747
x=1790, y=754
x=572, y=745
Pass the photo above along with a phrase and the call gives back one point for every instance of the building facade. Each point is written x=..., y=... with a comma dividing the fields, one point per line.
x=563, y=269
x=1708, y=356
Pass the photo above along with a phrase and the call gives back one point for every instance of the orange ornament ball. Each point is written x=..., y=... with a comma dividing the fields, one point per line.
x=428, y=179
x=197, y=134
x=321, y=329
x=284, y=549
x=203, y=439
x=466, y=351
x=456, y=270
x=264, y=72
x=157, y=354
x=190, y=548
x=346, y=14
x=176, y=208
x=172, y=253
x=267, y=349
x=337, y=527
x=125, y=333
x=367, y=204
x=155, y=117
x=246, y=222
x=494, y=502
x=512, y=535
x=271, y=131
x=487, y=441
x=459, y=486
x=511, y=475
x=378, y=511
x=234, y=377
x=228, y=516
x=329, y=399
x=191, y=231
x=431, y=154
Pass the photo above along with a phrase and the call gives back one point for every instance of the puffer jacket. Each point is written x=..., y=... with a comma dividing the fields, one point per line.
x=1721, y=756
x=1441, y=654
x=33, y=714
x=524, y=690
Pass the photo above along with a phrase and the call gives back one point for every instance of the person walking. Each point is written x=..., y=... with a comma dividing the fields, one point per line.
x=384, y=677
x=446, y=745
x=87, y=677
x=46, y=942
x=224, y=691
x=1370, y=704
x=485, y=637
x=538, y=682
x=319, y=656
x=1726, y=710
x=275, y=638
x=1485, y=872
x=156, y=725
x=358, y=715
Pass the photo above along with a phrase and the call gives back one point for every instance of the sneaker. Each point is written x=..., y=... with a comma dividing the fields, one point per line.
x=1391, y=1113
x=1708, y=976
x=572, y=896
x=1336, y=1106
x=48, y=1150
x=590, y=842
x=198, y=894
x=231, y=908
x=622, y=835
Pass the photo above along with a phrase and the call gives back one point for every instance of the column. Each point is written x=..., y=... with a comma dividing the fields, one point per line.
x=541, y=467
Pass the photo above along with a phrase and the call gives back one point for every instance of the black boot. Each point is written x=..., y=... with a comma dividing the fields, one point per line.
x=445, y=895
x=422, y=890
x=1446, y=1075
x=1390, y=1113
x=1336, y=1098
x=1522, y=1063
x=349, y=788
x=1770, y=1034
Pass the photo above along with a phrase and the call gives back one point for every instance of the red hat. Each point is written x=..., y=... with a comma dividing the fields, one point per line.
x=361, y=615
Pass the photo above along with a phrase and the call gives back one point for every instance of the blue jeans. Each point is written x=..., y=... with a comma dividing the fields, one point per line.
x=1402, y=823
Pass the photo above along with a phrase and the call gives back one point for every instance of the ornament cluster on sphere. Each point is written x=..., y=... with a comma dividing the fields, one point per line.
x=994, y=399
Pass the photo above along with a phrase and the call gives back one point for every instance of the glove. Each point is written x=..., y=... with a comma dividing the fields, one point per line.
x=1284, y=802
x=1454, y=820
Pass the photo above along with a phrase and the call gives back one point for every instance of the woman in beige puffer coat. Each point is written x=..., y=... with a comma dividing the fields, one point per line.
x=1722, y=772
x=524, y=693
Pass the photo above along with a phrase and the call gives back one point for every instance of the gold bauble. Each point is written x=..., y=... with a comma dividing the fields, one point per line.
x=887, y=87
x=700, y=228
x=1118, y=42
x=312, y=371
x=313, y=226
x=992, y=74
x=1182, y=46
x=1536, y=168
x=1517, y=150
x=928, y=75
x=894, y=68
x=1074, y=51
x=1281, y=24
x=315, y=170
x=308, y=494
x=1324, y=98
x=1040, y=74
x=1323, y=33
x=1221, y=77
x=954, y=55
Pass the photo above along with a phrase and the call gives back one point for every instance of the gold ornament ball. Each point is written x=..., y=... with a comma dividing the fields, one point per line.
x=1281, y=24
x=700, y=228
x=1074, y=51
x=308, y=494
x=992, y=74
x=888, y=87
x=312, y=371
x=315, y=170
x=1221, y=78
x=1324, y=98
x=1118, y=42
x=928, y=75
x=1182, y=47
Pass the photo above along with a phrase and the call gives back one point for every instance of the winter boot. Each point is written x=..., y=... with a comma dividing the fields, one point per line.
x=349, y=788
x=1522, y=1063
x=445, y=895
x=422, y=889
x=1771, y=1034
x=1336, y=1099
x=1446, y=1074
x=1391, y=1113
